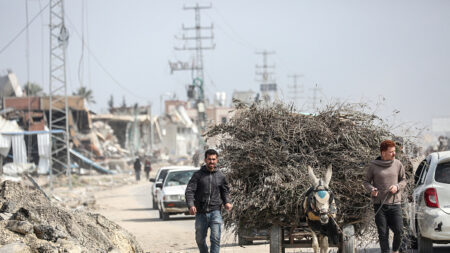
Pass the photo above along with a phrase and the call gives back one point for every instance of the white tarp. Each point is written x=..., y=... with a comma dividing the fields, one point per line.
x=7, y=126
x=19, y=149
x=44, y=152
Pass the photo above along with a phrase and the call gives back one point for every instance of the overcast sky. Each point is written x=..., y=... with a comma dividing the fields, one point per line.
x=392, y=52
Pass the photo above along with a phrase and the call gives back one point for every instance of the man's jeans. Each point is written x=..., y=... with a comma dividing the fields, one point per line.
x=389, y=216
x=212, y=220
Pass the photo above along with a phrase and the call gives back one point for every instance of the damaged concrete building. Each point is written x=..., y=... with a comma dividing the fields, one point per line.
x=132, y=127
x=32, y=113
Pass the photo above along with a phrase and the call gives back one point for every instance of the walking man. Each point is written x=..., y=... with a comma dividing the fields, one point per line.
x=206, y=192
x=137, y=169
x=385, y=180
x=147, y=168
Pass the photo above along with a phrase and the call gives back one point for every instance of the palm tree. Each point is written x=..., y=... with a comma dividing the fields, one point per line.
x=85, y=93
x=33, y=89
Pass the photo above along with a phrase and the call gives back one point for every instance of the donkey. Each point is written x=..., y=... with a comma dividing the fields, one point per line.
x=318, y=206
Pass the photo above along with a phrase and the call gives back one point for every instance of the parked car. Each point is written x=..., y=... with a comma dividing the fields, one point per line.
x=430, y=209
x=171, y=199
x=158, y=182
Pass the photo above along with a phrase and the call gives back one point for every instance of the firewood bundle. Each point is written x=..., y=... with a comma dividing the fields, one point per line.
x=265, y=149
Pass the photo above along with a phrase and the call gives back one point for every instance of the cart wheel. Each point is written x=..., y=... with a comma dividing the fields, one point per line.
x=348, y=240
x=276, y=239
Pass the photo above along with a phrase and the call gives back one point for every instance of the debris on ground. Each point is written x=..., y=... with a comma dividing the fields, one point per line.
x=266, y=150
x=29, y=222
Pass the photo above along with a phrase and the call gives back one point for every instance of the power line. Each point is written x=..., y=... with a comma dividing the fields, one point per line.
x=101, y=65
x=22, y=30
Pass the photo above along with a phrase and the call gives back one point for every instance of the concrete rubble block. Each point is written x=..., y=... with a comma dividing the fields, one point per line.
x=5, y=216
x=21, y=227
x=46, y=248
x=46, y=232
x=16, y=247
x=24, y=214
x=8, y=207
x=68, y=246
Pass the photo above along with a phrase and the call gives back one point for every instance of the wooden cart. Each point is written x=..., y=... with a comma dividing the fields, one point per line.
x=282, y=238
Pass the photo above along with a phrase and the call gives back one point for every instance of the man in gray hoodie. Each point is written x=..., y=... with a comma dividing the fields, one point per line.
x=385, y=180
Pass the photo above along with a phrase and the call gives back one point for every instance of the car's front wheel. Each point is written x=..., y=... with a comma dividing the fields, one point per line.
x=163, y=215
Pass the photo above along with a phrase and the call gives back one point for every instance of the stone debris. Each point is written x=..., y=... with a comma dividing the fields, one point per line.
x=29, y=222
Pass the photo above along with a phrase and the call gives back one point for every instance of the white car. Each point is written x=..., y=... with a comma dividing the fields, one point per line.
x=171, y=199
x=430, y=209
x=158, y=182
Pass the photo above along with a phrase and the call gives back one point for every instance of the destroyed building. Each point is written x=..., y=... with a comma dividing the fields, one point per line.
x=9, y=86
x=132, y=127
x=32, y=113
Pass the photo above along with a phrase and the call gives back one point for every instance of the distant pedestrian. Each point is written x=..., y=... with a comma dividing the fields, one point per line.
x=137, y=169
x=147, y=168
x=206, y=192
x=196, y=158
x=385, y=179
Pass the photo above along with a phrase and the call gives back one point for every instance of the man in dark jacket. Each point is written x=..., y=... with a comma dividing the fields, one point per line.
x=206, y=192
x=385, y=179
x=137, y=169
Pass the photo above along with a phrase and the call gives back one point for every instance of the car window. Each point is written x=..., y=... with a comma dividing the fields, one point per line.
x=419, y=171
x=178, y=178
x=162, y=175
x=442, y=174
x=424, y=173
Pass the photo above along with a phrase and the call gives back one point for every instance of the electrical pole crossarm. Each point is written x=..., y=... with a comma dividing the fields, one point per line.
x=211, y=27
x=197, y=7
x=196, y=48
x=195, y=38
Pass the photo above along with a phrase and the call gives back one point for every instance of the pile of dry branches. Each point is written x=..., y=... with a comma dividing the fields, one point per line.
x=265, y=150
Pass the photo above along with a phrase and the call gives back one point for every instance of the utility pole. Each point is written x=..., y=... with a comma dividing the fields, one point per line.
x=295, y=89
x=58, y=107
x=315, y=91
x=267, y=85
x=196, y=89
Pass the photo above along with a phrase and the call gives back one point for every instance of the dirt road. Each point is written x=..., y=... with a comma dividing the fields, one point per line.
x=130, y=207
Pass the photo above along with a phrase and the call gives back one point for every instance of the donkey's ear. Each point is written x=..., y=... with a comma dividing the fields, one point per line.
x=328, y=175
x=313, y=177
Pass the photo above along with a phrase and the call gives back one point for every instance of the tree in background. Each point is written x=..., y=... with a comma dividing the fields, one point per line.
x=111, y=102
x=85, y=93
x=33, y=89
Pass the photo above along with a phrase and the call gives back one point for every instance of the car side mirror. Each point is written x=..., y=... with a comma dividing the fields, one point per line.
x=152, y=180
x=159, y=185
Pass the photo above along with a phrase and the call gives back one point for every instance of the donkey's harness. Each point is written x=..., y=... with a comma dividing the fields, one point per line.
x=312, y=213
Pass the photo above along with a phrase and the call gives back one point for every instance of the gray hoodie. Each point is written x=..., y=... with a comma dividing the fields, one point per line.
x=381, y=174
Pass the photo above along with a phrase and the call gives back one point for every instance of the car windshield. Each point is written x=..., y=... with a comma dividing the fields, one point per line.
x=178, y=177
x=442, y=174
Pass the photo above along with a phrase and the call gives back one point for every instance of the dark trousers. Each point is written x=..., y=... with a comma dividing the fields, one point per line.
x=389, y=217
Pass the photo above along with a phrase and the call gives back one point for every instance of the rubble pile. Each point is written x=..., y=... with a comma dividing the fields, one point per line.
x=29, y=222
x=108, y=140
x=266, y=150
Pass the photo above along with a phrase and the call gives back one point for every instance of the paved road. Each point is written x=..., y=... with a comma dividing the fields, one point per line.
x=130, y=206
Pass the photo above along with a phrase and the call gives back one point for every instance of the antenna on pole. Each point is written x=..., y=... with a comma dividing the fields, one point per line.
x=196, y=90
x=315, y=96
x=58, y=106
x=295, y=89
x=268, y=86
